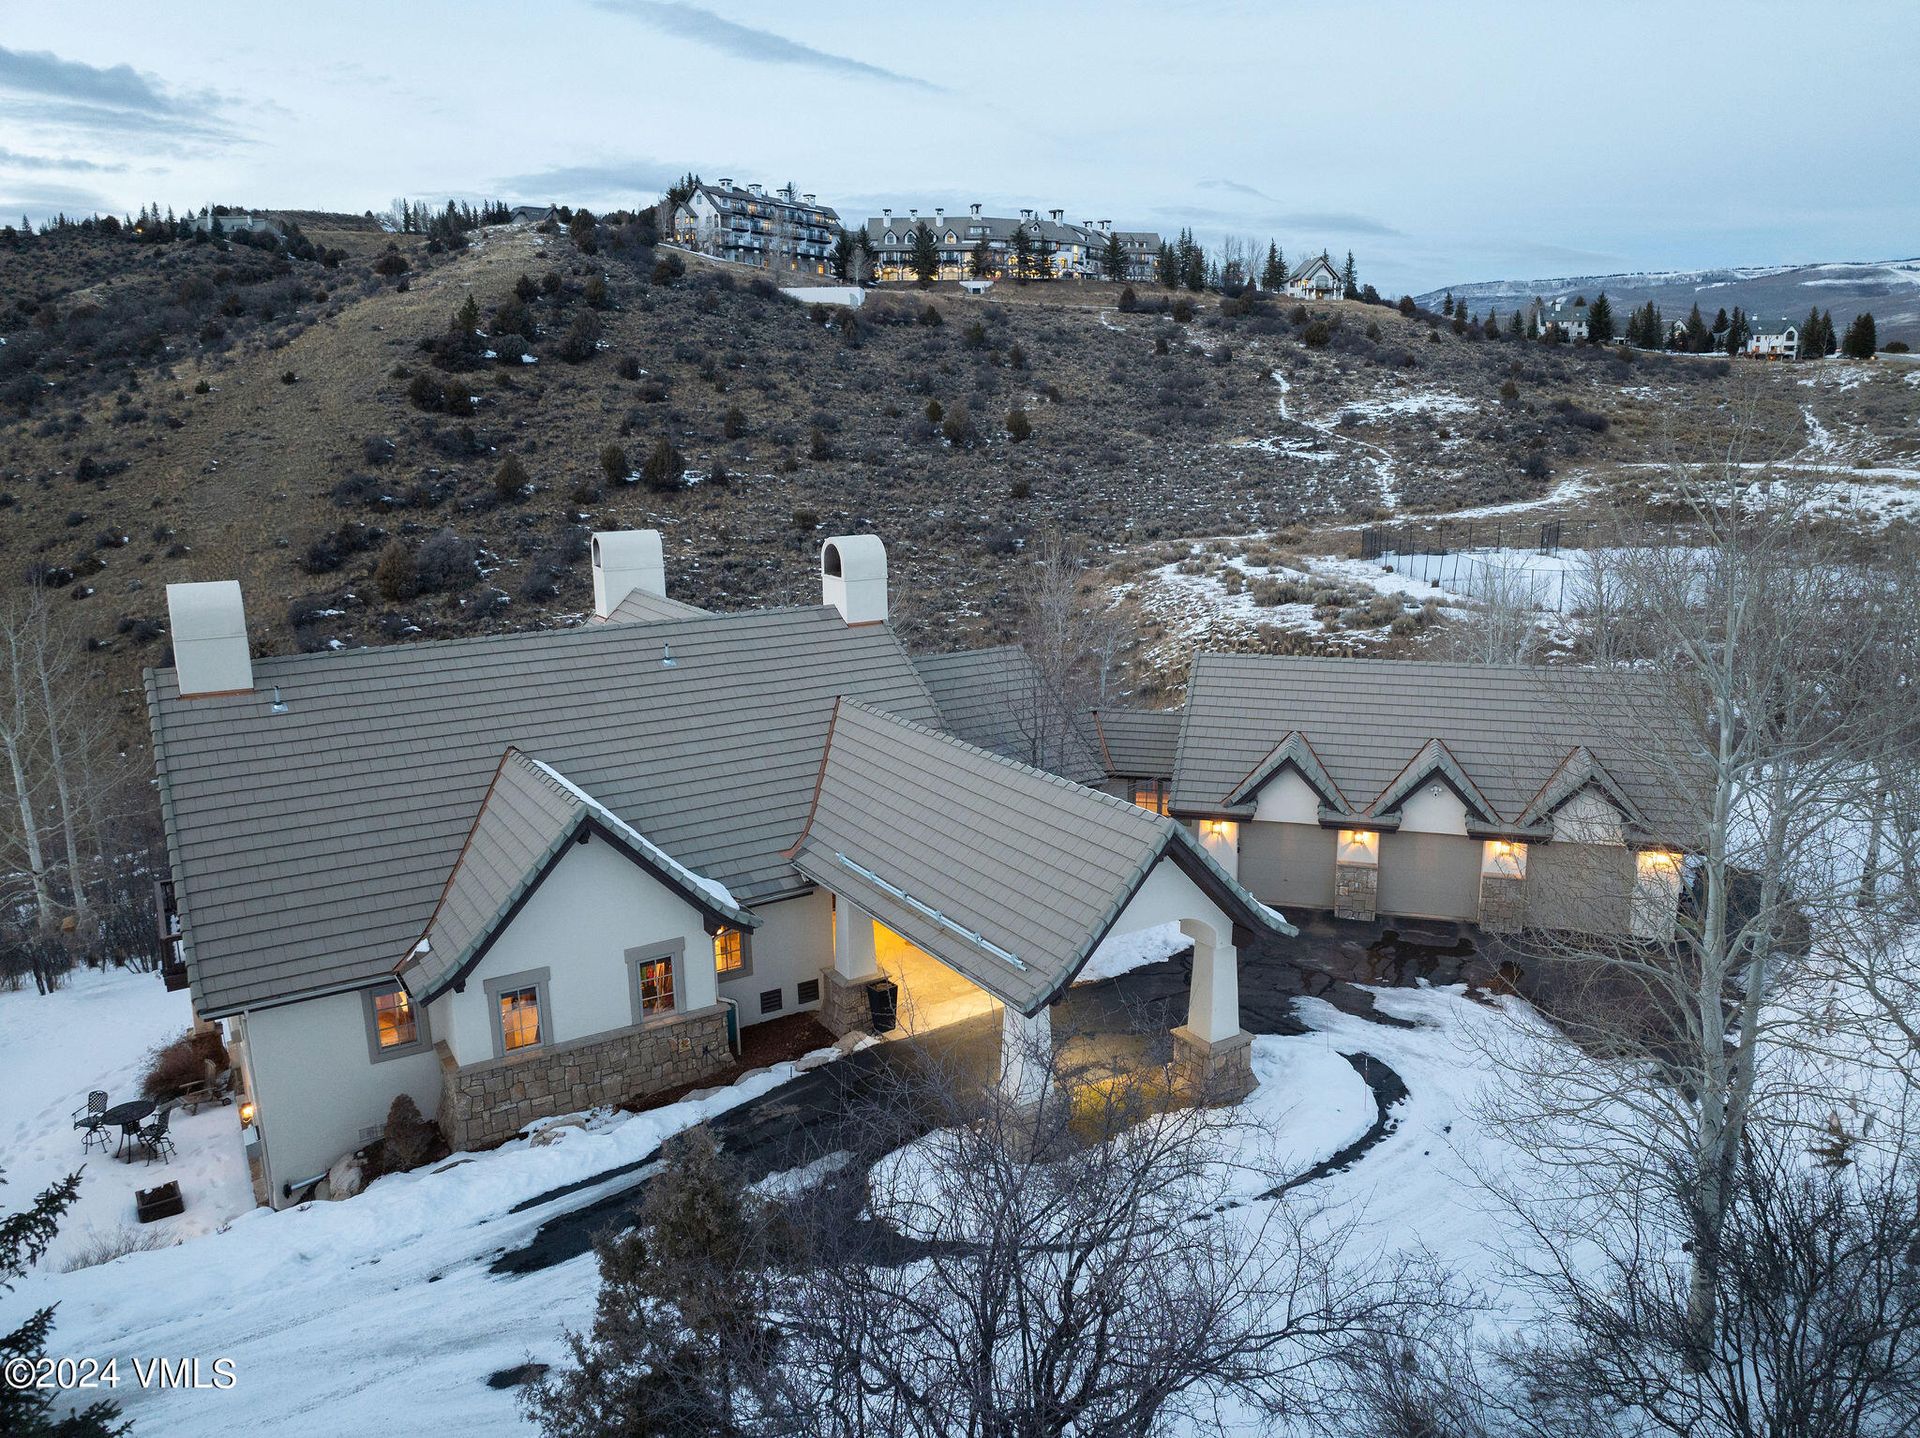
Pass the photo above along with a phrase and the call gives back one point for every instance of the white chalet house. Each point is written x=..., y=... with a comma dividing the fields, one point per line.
x=1316, y=279
x=517, y=876
x=1779, y=341
x=1569, y=316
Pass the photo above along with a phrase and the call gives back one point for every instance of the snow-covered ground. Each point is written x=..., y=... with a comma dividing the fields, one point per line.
x=97, y=1033
x=379, y=1313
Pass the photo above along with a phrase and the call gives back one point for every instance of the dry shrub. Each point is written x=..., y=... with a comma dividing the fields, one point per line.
x=178, y=1066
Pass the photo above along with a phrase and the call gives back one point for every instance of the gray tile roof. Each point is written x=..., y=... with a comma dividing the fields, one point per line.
x=1511, y=730
x=1007, y=874
x=1139, y=743
x=310, y=848
x=641, y=607
x=999, y=700
x=531, y=812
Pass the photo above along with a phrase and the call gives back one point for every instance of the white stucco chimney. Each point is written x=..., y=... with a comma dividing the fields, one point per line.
x=974, y=209
x=625, y=560
x=209, y=624
x=853, y=577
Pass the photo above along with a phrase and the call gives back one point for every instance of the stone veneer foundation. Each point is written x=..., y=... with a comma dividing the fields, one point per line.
x=1220, y=1072
x=1503, y=903
x=486, y=1102
x=1354, y=888
x=843, y=1003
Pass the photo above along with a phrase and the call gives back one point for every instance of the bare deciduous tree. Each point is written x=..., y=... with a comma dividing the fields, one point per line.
x=1773, y=686
x=1076, y=639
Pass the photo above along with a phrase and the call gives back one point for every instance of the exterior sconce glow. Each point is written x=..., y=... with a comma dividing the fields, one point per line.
x=1359, y=846
x=1504, y=859
x=1657, y=863
x=1218, y=831
x=246, y=1115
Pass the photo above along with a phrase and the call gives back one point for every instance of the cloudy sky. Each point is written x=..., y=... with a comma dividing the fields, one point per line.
x=1474, y=139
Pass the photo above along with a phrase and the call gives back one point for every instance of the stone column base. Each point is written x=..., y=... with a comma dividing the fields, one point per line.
x=1503, y=903
x=1216, y=1072
x=843, y=1003
x=1354, y=889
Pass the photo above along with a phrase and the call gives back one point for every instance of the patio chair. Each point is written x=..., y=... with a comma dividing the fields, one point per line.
x=154, y=1139
x=91, y=1120
x=215, y=1086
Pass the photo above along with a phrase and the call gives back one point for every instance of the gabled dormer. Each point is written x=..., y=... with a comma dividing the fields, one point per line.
x=1289, y=765
x=1565, y=802
x=1425, y=783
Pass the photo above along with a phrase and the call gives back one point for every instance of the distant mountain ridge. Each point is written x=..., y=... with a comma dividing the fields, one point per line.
x=1890, y=289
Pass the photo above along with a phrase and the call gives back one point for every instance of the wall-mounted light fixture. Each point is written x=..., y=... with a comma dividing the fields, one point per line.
x=1359, y=846
x=246, y=1115
x=1503, y=858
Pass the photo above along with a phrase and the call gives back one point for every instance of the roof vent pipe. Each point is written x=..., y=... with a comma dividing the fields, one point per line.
x=209, y=623
x=625, y=560
x=853, y=577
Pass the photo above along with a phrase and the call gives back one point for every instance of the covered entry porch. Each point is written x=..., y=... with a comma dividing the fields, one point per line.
x=994, y=885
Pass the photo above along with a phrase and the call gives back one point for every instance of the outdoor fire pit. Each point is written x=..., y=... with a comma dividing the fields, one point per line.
x=163, y=1201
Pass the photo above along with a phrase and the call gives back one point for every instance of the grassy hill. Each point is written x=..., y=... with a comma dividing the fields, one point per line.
x=190, y=412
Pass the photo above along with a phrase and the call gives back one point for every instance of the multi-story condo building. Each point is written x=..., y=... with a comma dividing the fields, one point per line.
x=773, y=229
x=1064, y=248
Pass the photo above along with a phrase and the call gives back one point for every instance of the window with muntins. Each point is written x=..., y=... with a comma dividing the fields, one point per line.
x=394, y=1025
x=729, y=952
x=519, y=1018
x=1150, y=794
x=656, y=986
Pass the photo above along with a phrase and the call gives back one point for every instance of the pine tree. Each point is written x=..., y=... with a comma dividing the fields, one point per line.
x=1829, y=342
x=1699, y=337
x=1020, y=253
x=1736, y=332
x=1600, y=320
x=24, y=1237
x=1446, y=305
x=923, y=254
x=1721, y=321
x=1166, y=267
x=1515, y=329
x=1862, y=338
x=1349, y=280
x=1193, y=263
x=1491, y=326
x=980, y=261
x=1113, y=259
x=1273, y=274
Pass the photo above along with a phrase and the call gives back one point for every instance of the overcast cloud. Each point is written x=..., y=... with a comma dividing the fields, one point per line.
x=1476, y=140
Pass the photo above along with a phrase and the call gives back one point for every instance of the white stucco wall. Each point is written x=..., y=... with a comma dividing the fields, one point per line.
x=579, y=924
x=1287, y=799
x=1426, y=812
x=315, y=1088
x=793, y=943
x=1587, y=818
x=1168, y=896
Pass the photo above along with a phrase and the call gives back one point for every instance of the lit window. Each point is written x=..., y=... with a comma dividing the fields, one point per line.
x=1150, y=794
x=729, y=951
x=656, y=986
x=393, y=1021
x=519, y=1018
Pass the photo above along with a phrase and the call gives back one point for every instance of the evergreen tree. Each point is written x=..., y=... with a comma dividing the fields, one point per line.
x=1491, y=326
x=1113, y=259
x=466, y=319
x=1600, y=320
x=923, y=254
x=1349, y=280
x=24, y=1237
x=1699, y=337
x=1166, y=266
x=1446, y=305
x=841, y=260
x=1862, y=339
x=1737, y=331
x=1721, y=321
x=1020, y=253
x=1810, y=337
x=1193, y=262
x=980, y=261
x=1273, y=274
x=1043, y=252
x=1515, y=329
x=1829, y=342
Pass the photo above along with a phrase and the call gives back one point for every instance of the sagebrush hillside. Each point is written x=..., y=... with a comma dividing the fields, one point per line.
x=331, y=432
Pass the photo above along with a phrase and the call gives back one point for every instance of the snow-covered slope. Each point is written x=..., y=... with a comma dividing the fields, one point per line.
x=1890, y=289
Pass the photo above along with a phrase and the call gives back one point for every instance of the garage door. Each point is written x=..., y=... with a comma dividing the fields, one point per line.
x=1582, y=888
x=1429, y=876
x=1288, y=865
